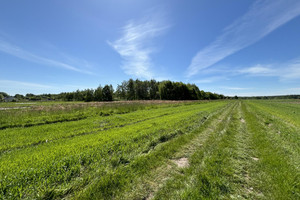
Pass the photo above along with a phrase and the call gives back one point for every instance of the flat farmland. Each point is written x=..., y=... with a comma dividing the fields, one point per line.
x=230, y=149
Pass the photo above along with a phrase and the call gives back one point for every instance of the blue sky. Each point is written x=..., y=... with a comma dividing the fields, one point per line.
x=230, y=47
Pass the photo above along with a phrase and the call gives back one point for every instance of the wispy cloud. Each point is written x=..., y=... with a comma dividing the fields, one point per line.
x=135, y=45
x=23, y=54
x=284, y=71
x=262, y=18
x=262, y=70
x=291, y=70
x=17, y=84
x=21, y=87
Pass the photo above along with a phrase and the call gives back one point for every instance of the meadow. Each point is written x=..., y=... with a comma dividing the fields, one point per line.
x=223, y=149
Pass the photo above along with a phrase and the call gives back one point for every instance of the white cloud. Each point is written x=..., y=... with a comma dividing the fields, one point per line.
x=290, y=70
x=20, y=87
x=135, y=46
x=258, y=70
x=17, y=84
x=23, y=54
x=284, y=71
x=261, y=19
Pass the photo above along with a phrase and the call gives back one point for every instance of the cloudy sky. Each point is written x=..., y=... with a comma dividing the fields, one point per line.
x=230, y=47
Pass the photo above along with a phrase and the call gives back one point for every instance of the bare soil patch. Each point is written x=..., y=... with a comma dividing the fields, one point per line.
x=182, y=162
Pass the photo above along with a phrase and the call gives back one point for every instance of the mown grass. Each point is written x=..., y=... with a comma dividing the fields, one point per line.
x=243, y=159
x=146, y=186
x=49, y=113
x=235, y=150
x=52, y=169
x=121, y=179
x=22, y=137
x=210, y=173
x=277, y=171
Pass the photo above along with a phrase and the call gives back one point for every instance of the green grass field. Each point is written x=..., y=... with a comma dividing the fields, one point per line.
x=230, y=149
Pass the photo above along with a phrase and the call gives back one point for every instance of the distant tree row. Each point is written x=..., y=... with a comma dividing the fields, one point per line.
x=99, y=94
x=165, y=90
x=128, y=90
x=141, y=90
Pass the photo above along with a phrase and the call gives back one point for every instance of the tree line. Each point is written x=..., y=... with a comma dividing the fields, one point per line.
x=142, y=90
x=131, y=90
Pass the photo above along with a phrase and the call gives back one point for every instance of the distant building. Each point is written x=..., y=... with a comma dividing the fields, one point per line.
x=10, y=99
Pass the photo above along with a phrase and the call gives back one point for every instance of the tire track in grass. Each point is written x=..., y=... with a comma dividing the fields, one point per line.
x=219, y=169
x=274, y=176
x=210, y=168
x=235, y=159
x=146, y=186
x=244, y=161
x=283, y=114
x=281, y=129
x=282, y=133
x=120, y=180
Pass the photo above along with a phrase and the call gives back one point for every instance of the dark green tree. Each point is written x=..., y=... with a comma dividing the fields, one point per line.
x=141, y=90
x=89, y=95
x=166, y=90
x=98, y=94
x=107, y=93
x=4, y=94
x=130, y=90
x=69, y=96
x=79, y=95
x=153, y=89
x=19, y=96
x=121, y=91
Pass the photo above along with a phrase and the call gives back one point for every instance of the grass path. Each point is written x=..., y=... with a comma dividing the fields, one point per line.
x=276, y=172
x=124, y=181
x=214, y=171
x=235, y=156
x=145, y=187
